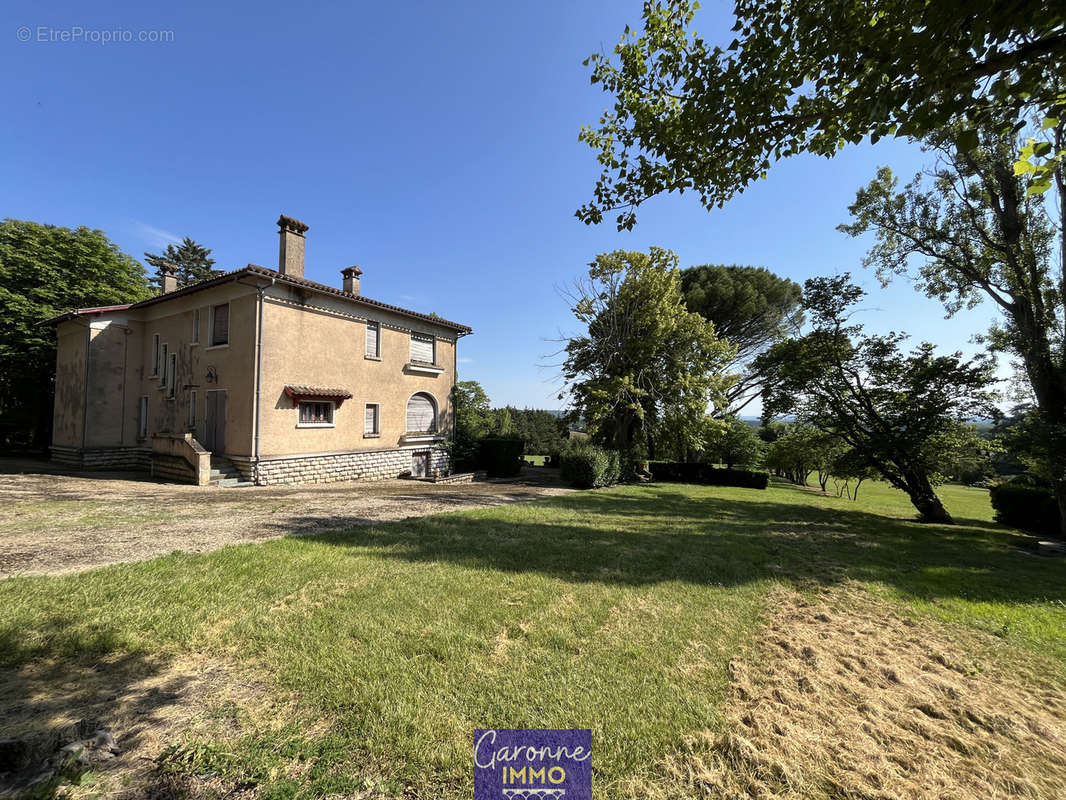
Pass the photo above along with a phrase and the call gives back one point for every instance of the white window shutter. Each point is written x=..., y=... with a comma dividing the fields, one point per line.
x=420, y=414
x=372, y=339
x=371, y=422
x=422, y=348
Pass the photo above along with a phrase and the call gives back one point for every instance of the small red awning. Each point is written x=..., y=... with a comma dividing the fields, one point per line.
x=299, y=392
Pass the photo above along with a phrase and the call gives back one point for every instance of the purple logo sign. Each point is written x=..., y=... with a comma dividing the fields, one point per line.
x=520, y=764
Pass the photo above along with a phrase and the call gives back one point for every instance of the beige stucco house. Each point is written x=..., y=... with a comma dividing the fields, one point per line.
x=277, y=377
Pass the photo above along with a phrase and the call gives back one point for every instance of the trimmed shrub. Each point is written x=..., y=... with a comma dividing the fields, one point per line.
x=707, y=475
x=589, y=467
x=1023, y=505
x=501, y=456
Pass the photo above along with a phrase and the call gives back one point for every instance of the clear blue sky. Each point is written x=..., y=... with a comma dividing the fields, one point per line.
x=434, y=146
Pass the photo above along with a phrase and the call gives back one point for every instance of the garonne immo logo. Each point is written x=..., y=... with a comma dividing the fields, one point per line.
x=533, y=764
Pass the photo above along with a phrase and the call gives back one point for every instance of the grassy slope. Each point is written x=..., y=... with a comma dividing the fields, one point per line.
x=615, y=610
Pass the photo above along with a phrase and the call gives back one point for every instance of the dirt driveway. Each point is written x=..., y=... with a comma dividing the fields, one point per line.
x=54, y=520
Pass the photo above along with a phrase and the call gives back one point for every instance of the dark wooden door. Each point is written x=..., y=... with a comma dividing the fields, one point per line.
x=215, y=422
x=420, y=465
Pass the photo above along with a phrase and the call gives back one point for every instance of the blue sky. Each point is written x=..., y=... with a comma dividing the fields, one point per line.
x=433, y=144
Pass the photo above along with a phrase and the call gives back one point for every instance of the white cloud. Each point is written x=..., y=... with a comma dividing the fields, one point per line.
x=466, y=361
x=153, y=236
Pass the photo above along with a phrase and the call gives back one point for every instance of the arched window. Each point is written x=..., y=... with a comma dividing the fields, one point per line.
x=422, y=413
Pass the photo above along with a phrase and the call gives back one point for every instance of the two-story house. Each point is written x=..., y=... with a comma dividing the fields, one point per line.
x=288, y=379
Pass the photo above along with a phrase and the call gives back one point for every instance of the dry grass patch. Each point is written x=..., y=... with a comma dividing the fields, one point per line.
x=844, y=697
x=149, y=708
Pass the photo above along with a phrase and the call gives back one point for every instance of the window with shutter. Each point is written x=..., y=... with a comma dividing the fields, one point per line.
x=372, y=420
x=163, y=367
x=373, y=339
x=172, y=376
x=192, y=410
x=155, y=353
x=421, y=414
x=220, y=325
x=422, y=348
x=196, y=326
x=142, y=418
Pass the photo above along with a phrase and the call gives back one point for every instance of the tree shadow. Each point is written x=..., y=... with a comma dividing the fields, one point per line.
x=48, y=704
x=660, y=534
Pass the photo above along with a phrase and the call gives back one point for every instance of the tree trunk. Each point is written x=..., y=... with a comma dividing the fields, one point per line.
x=1060, y=495
x=924, y=498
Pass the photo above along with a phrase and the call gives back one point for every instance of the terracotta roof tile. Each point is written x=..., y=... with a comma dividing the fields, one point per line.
x=303, y=390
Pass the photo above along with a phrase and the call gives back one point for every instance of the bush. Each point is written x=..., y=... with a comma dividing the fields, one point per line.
x=708, y=475
x=501, y=456
x=1023, y=505
x=589, y=467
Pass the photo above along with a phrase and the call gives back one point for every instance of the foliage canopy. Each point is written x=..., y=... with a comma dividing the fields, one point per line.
x=900, y=410
x=44, y=271
x=808, y=77
x=644, y=356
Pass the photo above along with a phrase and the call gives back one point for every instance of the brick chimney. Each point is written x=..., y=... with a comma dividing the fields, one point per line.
x=168, y=274
x=291, y=254
x=351, y=279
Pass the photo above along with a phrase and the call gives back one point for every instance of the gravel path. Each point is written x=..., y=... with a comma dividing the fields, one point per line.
x=54, y=520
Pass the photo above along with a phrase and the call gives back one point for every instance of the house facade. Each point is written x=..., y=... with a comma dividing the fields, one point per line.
x=286, y=379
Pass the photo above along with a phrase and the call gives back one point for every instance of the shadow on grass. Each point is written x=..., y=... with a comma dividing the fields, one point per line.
x=46, y=705
x=659, y=534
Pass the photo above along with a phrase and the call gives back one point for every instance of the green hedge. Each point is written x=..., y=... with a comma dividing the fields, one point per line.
x=705, y=474
x=1031, y=508
x=589, y=467
x=501, y=456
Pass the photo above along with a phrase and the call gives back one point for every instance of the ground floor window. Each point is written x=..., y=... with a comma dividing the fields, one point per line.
x=142, y=418
x=372, y=420
x=316, y=413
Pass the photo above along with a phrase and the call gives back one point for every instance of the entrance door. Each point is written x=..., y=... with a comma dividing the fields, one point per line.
x=215, y=421
x=420, y=465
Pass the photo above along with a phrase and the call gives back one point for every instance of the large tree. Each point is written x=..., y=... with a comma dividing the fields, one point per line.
x=751, y=308
x=971, y=229
x=900, y=410
x=734, y=442
x=644, y=356
x=806, y=77
x=192, y=259
x=44, y=271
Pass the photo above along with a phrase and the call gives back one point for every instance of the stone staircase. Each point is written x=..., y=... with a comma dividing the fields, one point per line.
x=224, y=474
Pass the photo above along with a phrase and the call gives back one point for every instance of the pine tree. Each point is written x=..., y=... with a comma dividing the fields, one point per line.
x=193, y=261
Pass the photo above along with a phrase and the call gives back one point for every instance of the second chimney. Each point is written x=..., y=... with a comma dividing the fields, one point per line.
x=351, y=279
x=168, y=274
x=291, y=254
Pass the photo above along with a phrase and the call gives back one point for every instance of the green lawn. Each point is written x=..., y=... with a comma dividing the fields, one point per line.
x=384, y=647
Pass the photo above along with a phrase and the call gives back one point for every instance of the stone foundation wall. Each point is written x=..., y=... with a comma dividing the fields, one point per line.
x=373, y=465
x=172, y=468
x=104, y=458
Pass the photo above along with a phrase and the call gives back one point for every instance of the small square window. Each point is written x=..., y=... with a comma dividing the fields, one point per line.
x=423, y=349
x=316, y=413
x=220, y=325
